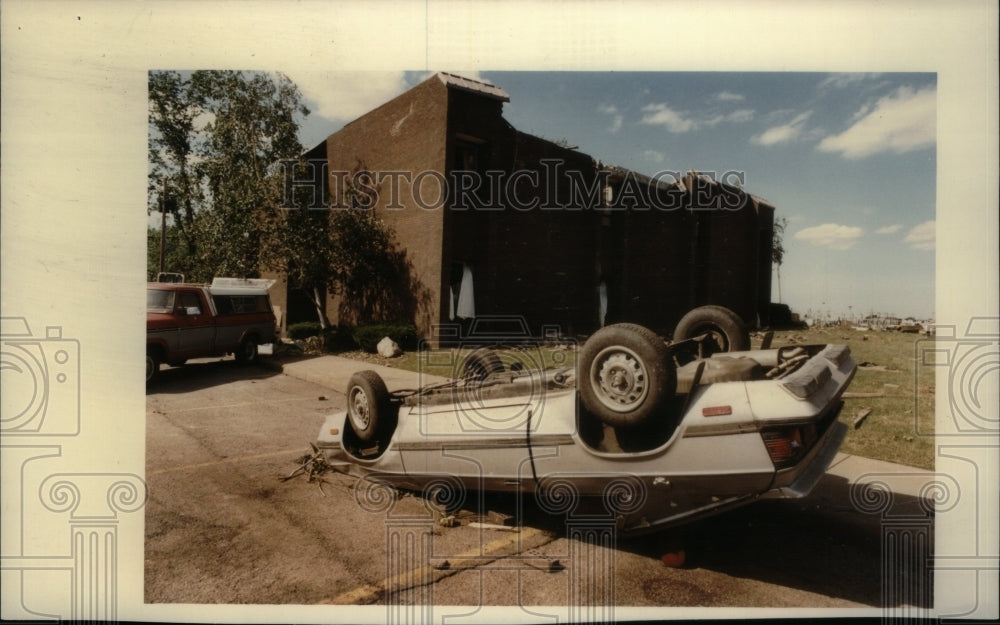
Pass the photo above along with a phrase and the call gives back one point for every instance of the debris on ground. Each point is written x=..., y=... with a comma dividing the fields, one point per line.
x=313, y=345
x=494, y=526
x=871, y=366
x=547, y=565
x=287, y=348
x=312, y=465
x=859, y=419
x=499, y=518
x=673, y=559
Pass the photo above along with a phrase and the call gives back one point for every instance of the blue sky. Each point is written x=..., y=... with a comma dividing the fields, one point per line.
x=848, y=159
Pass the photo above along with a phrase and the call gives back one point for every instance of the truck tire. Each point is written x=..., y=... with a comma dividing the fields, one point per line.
x=152, y=364
x=368, y=405
x=247, y=351
x=626, y=374
x=726, y=331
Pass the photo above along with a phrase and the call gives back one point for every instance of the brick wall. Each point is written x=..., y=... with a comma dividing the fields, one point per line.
x=546, y=263
x=406, y=134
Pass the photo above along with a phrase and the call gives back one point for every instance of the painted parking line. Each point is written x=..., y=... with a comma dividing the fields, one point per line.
x=528, y=538
x=201, y=465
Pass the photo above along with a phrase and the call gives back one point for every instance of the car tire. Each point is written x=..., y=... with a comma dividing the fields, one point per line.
x=626, y=374
x=727, y=332
x=247, y=351
x=368, y=406
x=152, y=365
x=480, y=364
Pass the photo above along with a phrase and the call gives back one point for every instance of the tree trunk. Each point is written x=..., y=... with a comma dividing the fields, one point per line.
x=320, y=314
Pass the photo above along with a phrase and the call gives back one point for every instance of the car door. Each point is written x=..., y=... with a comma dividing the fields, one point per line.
x=483, y=444
x=196, y=325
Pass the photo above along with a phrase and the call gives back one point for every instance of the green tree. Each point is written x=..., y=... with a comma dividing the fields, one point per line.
x=173, y=184
x=345, y=251
x=299, y=243
x=222, y=139
x=217, y=138
x=252, y=130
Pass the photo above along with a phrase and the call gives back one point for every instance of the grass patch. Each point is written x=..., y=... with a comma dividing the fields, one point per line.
x=447, y=362
x=900, y=427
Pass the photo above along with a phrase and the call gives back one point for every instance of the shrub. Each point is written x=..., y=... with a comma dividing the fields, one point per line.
x=367, y=337
x=339, y=339
x=304, y=329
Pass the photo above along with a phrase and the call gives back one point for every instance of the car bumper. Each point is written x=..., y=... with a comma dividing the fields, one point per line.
x=811, y=469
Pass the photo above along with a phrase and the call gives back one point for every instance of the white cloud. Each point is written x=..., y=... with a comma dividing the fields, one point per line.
x=654, y=156
x=901, y=122
x=735, y=117
x=663, y=115
x=616, y=117
x=840, y=81
x=921, y=237
x=348, y=95
x=894, y=228
x=783, y=133
x=833, y=236
x=728, y=96
x=679, y=121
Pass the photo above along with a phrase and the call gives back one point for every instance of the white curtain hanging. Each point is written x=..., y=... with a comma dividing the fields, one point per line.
x=466, y=308
x=602, y=294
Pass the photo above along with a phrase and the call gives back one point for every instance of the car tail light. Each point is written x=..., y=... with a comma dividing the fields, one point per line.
x=784, y=446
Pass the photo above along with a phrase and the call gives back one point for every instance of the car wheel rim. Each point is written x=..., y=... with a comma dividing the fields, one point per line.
x=360, y=411
x=620, y=379
x=149, y=368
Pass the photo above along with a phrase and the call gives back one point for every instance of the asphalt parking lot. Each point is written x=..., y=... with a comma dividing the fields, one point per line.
x=223, y=527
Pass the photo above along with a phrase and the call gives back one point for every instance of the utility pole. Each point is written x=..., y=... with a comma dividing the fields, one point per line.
x=163, y=225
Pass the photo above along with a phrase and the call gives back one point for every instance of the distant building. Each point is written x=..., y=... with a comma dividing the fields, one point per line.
x=531, y=228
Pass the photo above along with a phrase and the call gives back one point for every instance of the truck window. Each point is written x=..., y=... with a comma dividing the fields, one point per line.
x=189, y=300
x=223, y=304
x=159, y=301
x=241, y=304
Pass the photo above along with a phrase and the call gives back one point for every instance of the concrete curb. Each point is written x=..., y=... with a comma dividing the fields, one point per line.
x=334, y=372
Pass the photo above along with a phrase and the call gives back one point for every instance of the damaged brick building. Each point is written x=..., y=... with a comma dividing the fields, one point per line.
x=497, y=222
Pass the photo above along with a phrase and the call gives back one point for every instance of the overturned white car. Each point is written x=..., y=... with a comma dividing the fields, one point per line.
x=657, y=433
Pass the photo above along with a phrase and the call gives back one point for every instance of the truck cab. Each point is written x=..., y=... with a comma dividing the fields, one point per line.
x=229, y=316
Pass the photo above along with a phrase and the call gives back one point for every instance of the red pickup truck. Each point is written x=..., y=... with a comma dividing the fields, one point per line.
x=230, y=316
